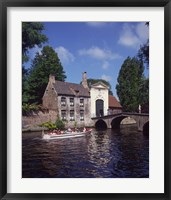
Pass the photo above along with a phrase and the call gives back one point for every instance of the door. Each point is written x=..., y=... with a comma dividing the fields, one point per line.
x=99, y=108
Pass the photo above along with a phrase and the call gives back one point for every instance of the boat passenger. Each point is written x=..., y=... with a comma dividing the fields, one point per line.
x=69, y=130
x=84, y=130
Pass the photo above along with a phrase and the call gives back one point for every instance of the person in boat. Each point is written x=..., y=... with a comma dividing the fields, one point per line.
x=84, y=129
x=69, y=129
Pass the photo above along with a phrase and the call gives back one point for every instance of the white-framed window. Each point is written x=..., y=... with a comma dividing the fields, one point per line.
x=72, y=118
x=63, y=115
x=81, y=102
x=81, y=115
x=63, y=101
x=71, y=101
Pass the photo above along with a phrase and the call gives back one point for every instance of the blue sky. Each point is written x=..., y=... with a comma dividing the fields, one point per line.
x=98, y=48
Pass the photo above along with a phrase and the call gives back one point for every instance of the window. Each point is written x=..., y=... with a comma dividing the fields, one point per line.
x=71, y=101
x=63, y=115
x=71, y=115
x=63, y=101
x=81, y=115
x=81, y=102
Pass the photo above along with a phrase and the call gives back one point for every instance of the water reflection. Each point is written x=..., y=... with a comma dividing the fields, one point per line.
x=118, y=154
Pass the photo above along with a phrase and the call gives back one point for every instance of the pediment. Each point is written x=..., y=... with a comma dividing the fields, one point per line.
x=99, y=85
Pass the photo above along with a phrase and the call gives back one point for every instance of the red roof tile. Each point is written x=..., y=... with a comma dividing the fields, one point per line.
x=113, y=102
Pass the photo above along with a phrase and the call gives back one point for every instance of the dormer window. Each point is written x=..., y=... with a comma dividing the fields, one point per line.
x=63, y=101
x=76, y=91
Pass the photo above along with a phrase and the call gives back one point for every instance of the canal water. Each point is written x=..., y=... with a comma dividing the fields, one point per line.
x=103, y=154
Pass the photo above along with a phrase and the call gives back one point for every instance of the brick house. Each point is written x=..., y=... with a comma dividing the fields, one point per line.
x=71, y=101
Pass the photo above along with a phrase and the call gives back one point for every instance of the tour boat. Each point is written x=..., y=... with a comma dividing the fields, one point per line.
x=66, y=134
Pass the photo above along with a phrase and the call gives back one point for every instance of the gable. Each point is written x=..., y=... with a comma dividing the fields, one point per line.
x=100, y=85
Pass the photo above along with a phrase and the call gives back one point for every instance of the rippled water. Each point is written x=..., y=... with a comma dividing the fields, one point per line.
x=107, y=154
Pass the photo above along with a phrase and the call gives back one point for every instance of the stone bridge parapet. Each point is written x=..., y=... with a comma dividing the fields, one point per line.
x=113, y=121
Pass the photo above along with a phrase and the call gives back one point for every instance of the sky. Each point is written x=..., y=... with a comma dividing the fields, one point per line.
x=98, y=48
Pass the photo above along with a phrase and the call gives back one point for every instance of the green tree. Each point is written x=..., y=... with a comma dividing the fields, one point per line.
x=44, y=64
x=91, y=81
x=31, y=36
x=143, y=53
x=144, y=95
x=130, y=80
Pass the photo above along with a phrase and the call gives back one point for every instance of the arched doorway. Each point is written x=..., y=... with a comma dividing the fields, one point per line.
x=99, y=107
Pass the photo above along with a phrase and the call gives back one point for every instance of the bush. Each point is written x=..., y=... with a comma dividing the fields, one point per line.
x=60, y=124
x=49, y=125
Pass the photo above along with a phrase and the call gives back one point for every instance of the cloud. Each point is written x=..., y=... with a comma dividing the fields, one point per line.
x=106, y=78
x=96, y=24
x=64, y=55
x=98, y=53
x=142, y=31
x=32, y=52
x=105, y=65
x=134, y=35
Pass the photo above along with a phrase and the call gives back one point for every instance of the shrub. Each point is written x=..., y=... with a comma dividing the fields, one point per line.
x=49, y=125
x=60, y=124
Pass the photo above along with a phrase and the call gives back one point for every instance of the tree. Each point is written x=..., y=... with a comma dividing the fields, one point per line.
x=130, y=80
x=143, y=53
x=144, y=95
x=44, y=64
x=31, y=36
x=91, y=81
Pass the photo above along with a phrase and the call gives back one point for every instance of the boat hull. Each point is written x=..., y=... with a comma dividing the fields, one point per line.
x=66, y=135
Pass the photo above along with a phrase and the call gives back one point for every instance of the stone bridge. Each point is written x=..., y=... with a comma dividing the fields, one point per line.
x=113, y=121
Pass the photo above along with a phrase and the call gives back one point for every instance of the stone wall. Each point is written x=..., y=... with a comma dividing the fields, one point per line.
x=67, y=107
x=36, y=118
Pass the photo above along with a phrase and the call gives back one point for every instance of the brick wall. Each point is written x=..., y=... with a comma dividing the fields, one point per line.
x=36, y=118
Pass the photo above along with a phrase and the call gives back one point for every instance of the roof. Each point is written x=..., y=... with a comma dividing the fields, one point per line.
x=113, y=102
x=73, y=89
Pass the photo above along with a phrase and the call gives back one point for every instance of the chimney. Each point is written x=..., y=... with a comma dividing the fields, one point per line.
x=51, y=78
x=84, y=80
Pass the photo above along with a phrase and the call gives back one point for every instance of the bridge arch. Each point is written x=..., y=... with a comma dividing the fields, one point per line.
x=115, y=123
x=146, y=128
x=100, y=124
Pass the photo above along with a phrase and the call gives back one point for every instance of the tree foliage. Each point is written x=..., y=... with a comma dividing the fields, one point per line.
x=31, y=36
x=144, y=95
x=130, y=80
x=91, y=81
x=44, y=64
x=143, y=53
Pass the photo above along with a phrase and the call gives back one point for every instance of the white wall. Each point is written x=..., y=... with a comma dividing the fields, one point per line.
x=99, y=93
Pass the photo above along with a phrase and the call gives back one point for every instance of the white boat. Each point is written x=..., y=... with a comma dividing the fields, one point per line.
x=66, y=134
